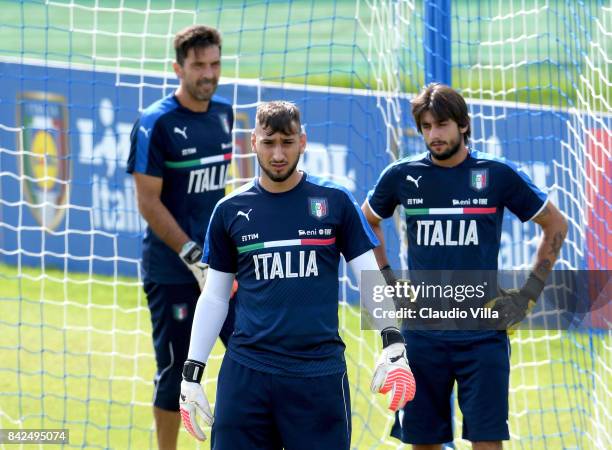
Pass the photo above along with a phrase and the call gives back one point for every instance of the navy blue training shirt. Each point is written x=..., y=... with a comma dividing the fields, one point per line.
x=454, y=215
x=285, y=250
x=191, y=152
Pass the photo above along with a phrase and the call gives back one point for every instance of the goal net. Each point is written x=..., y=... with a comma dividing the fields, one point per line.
x=75, y=345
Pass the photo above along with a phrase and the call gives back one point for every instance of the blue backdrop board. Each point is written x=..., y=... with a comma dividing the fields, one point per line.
x=76, y=125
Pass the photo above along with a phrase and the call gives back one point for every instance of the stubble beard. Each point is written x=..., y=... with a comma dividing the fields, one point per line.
x=448, y=153
x=278, y=178
x=197, y=94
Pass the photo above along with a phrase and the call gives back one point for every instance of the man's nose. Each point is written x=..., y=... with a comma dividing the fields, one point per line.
x=434, y=132
x=207, y=72
x=277, y=152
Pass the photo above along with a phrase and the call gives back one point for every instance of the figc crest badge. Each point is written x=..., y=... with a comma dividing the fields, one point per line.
x=45, y=162
x=479, y=179
x=318, y=208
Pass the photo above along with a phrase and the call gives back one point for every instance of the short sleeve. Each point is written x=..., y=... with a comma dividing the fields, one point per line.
x=354, y=236
x=219, y=249
x=383, y=198
x=523, y=198
x=146, y=150
x=231, y=119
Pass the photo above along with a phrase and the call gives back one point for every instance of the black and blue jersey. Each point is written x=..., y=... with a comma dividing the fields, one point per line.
x=191, y=152
x=285, y=250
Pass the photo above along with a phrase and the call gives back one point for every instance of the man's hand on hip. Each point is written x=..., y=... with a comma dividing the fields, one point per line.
x=514, y=304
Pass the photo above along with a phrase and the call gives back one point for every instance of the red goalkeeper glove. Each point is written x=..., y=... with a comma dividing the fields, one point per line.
x=392, y=373
x=193, y=401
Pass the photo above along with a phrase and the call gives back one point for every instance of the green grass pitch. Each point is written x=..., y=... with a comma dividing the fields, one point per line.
x=77, y=353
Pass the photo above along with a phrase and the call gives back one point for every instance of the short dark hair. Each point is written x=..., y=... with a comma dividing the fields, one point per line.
x=279, y=117
x=444, y=103
x=195, y=36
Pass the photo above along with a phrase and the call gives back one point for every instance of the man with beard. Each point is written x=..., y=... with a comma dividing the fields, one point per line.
x=454, y=199
x=283, y=380
x=180, y=152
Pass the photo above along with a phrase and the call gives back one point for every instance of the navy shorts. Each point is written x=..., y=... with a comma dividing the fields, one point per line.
x=261, y=411
x=481, y=369
x=172, y=307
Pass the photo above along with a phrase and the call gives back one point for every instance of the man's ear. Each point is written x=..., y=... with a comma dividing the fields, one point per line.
x=178, y=70
x=253, y=141
x=302, y=143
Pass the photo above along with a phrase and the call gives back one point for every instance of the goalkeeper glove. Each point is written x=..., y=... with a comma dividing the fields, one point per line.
x=514, y=304
x=392, y=371
x=191, y=254
x=389, y=275
x=402, y=286
x=193, y=401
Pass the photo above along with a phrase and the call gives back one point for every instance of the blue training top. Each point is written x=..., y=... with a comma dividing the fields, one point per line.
x=191, y=152
x=454, y=215
x=285, y=250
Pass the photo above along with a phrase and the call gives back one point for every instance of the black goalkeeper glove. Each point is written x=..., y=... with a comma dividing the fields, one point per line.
x=405, y=301
x=388, y=275
x=514, y=304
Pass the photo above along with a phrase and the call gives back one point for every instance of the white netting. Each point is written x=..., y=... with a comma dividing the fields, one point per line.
x=75, y=350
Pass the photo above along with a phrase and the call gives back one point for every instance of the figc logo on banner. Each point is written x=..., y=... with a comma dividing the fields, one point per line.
x=45, y=165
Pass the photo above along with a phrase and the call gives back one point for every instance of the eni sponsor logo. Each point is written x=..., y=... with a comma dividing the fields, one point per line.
x=468, y=202
x=315, y=232
x=44, y=162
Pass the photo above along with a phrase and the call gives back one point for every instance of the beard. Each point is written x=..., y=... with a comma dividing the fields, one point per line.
x=197, y=93
x=449, y=152
x=278, y=177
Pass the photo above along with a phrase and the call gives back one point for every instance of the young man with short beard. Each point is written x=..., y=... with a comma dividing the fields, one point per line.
x=283, y=381
x=443, y=236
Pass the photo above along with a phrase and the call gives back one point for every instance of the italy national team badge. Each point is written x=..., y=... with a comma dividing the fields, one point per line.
x=479, y=179
x=45, y=162
x=318, y=207
x=179, y=311
x=225, y=123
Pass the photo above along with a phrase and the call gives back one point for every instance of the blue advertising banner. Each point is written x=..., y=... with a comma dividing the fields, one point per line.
x=71, y=202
